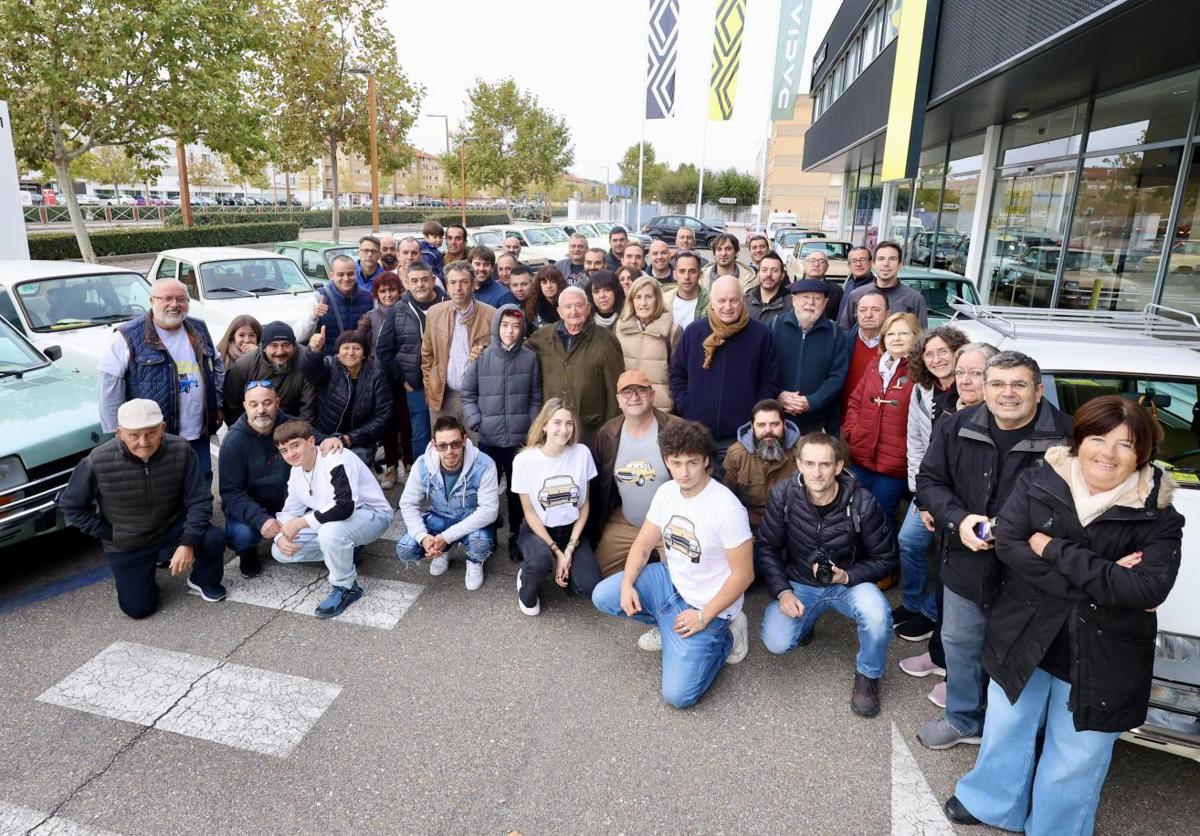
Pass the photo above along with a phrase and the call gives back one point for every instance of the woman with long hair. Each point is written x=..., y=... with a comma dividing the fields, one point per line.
x=626, y=276
x=542, y=306
x=551, y=476
x=397, y=435
x=876, y=425
x=648, y=336
x=606, y=297
x=243, y=334
x=1090, y=547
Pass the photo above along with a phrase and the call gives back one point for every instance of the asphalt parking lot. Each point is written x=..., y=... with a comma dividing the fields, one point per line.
x=437, y=710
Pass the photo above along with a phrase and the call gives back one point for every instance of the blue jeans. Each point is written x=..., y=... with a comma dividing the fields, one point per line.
x=887, y=491
x=334, y=543
x=862, y=602
x=914, y=566
x=1063, y=784
x=689, y=665
x=204, y=457
x=963, y=626
x=418, y=412
x=241, y=536
x=478, y=544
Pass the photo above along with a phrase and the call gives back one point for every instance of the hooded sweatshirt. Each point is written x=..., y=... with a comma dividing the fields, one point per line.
x=473, y=501
x=502, y=389
x=750, y=477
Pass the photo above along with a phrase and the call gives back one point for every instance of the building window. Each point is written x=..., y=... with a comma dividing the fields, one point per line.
x=871, y=36
x=1056, y=134
x=1152, y=113
x=853, y=62
x=1181, y=284
x=892, y=21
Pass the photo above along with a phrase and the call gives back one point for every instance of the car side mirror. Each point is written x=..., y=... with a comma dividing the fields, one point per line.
x=54, y=352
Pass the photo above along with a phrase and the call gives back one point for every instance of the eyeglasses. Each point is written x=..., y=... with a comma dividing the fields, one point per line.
x=445, y=446
x=266, y=384
x=860, y=261
x=1019, y=386
x=631, y=392
x=181, y=300
x=974, y=374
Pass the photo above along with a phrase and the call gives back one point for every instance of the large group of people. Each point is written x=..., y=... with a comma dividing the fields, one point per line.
x=666, y=435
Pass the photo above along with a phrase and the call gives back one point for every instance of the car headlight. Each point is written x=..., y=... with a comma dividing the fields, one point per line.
x=12, y=473
x=1175, y=648
x=1175, y=698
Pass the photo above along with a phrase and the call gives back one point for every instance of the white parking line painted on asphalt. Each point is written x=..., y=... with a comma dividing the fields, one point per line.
x=915, y=809
x=25, y=820
x=284, y=587
x=234, y=705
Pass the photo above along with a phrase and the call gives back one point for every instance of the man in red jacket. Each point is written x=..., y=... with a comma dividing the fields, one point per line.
x=864, y=353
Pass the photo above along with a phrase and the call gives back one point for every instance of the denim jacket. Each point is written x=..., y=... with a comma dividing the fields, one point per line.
x=473, y=503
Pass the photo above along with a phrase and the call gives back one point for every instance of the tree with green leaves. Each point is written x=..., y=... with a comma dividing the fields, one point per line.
x=653, y=172
x=511, y=141
x=109, y=165
x=679, y=186
x=739, y=185
x=322, y=95
x=80, y=75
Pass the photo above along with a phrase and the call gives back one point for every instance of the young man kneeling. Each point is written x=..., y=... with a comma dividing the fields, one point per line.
x=334, y=506
x=694, y=596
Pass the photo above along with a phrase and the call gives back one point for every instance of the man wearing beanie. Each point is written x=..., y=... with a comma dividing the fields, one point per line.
x=276, y=359
x=142, y=494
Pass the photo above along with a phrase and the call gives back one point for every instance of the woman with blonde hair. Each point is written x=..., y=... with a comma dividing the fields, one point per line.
x=876, y=425
x=648, y=334
x=243, y=334
x=551, y=476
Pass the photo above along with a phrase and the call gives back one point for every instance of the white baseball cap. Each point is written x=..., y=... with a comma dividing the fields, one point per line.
x=139, y=414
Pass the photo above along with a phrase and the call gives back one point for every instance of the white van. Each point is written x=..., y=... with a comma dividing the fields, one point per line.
x=777, y=221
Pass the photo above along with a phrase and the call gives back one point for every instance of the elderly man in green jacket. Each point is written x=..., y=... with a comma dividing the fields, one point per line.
x=580, y=361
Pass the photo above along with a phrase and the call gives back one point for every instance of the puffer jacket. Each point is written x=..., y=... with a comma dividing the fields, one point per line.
x=586, y=376
x=1106, y=610
x=399, y=347
x=876, y=425
x=751, y=478
x=650, y=350
x=435, y=346
x=502, y=390
x=962, y=473
x=372, y=322
x=372, y=404
x=855, y=534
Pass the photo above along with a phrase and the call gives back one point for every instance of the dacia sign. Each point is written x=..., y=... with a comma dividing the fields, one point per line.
x=789, y=55
x=13, y=243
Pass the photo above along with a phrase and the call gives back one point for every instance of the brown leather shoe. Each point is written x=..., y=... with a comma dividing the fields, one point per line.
x=864, y=701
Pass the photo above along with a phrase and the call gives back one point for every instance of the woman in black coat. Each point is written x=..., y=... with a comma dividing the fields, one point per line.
x=354, y=395
x=1090, y=547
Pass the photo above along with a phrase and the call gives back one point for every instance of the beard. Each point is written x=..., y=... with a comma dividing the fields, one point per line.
x=769, y=449
x=389, y=261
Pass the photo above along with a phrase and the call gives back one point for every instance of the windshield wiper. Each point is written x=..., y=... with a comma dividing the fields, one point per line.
x=67, y=323
x=231, y=290
x=267, y=290
x=112, y=317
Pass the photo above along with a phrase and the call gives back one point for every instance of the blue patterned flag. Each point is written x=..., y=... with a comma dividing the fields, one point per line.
x=660, y=59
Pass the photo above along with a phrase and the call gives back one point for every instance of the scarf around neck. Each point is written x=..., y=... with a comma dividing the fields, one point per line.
x=1090, y=505
x=722, y=332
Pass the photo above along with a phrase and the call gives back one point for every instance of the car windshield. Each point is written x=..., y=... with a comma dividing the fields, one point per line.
x=83, y=301
x=244, y=276
x=558, y=236
x=789, y=239
x=832, y=249
x=489, y=239
x=939, y=292
x=604, y=228
x=586, y=230
x=16, y=355
x=333, y=252
x=536, y=237
x=1174, y=405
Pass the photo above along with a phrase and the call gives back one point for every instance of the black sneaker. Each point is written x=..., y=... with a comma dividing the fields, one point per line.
x=249, y=564
x=916, y=629
x=338, y=599
x=900, y=615
x=211, y=594
x=957, y=813
x=864, y=700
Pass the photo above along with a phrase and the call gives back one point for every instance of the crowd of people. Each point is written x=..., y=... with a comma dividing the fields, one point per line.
x=669, y=433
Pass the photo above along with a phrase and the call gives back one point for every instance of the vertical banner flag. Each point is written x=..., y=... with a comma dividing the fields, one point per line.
x=660, y=59
x=789, y=56
x=727, y=58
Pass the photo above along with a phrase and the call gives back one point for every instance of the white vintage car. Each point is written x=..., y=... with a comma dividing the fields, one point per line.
x=540, y=243
x=225, y=282
x=1150, y=356
x=71, y=305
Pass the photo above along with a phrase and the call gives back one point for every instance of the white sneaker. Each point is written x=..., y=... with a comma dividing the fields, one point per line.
x=474, y=575
x=536, y=609
x=741, y=639
x=650, y=640
x=439, y=565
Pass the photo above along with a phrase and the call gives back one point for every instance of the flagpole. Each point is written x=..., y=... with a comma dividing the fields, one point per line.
x=762, y=180
x=703, y=147
x=641, y=156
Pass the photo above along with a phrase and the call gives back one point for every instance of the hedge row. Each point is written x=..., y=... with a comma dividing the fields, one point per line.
x=62, y=245
x=308, y=219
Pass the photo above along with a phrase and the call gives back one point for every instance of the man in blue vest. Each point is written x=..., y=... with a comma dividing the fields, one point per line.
x=368, y=268
x=142, y=495
x=168, y=357
x=337, y=306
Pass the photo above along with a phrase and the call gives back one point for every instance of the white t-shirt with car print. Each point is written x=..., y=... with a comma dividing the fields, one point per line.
x=557, y=487
x=696, y=531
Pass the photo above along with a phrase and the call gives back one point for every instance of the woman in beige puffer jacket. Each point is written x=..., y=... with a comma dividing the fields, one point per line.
x=648, y=336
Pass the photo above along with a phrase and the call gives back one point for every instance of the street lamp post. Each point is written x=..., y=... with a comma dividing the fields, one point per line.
x=371, y=114
x=462, y=163
x=447, y=120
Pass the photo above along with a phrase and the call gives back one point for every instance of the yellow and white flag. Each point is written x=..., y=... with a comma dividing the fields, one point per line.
x=727, y=58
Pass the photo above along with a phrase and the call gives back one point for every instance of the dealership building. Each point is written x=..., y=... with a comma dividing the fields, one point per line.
x=1045, y=148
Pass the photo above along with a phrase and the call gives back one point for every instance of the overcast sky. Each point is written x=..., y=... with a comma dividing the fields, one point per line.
x=586, y=61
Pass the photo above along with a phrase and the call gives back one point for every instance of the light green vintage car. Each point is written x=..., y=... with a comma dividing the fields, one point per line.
x=49, y=420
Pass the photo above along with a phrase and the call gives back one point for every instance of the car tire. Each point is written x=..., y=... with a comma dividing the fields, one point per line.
x=641, y=482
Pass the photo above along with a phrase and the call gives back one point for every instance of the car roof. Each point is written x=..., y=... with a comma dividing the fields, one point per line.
x=315, y=245
x=16, y=270
x=218, y=253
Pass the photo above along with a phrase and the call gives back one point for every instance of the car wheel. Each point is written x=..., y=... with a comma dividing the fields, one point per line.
x=641, y=481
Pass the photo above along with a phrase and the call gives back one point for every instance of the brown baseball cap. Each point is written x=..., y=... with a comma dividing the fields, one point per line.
x=633, y=377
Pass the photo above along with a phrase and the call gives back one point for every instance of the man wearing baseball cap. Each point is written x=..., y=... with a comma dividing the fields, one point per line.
x=814, y=355
x=143, y=495
x=276, y=359
x=629, y=470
